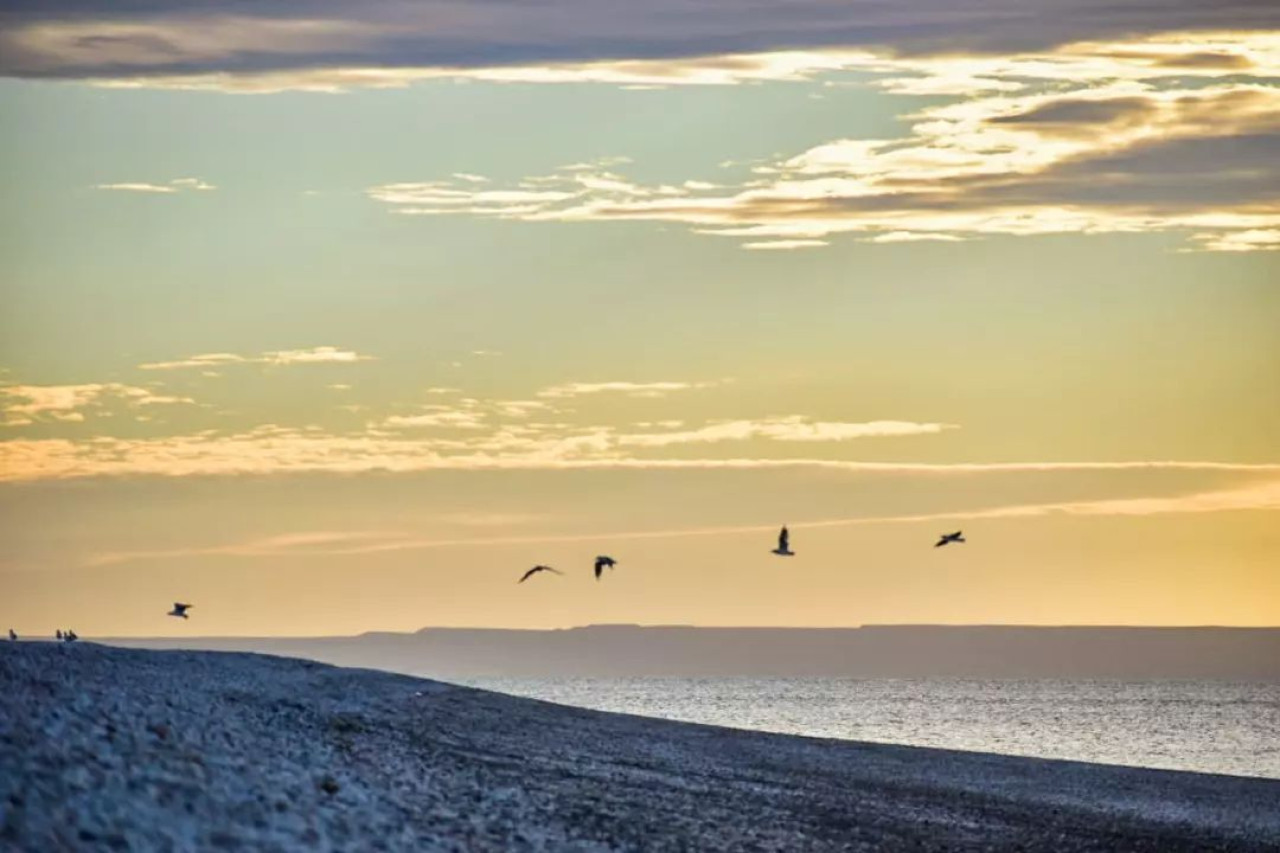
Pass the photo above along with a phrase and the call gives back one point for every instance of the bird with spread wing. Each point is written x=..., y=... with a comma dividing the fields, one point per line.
x=537, y=569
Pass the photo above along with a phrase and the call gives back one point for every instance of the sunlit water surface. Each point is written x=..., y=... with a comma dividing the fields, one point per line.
x=1211, y=727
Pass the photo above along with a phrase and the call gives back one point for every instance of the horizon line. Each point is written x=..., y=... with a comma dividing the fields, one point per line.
x=670, y=625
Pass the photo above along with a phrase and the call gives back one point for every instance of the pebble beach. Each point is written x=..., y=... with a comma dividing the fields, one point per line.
x=106, y=748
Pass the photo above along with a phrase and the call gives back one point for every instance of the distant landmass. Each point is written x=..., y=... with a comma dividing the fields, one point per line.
x=871, y=651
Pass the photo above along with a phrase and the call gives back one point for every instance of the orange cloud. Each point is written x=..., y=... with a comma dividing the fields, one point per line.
x=26, y=404
x=272, y=450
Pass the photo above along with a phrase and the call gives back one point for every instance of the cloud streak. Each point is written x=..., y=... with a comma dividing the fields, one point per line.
x=175, y=186
x=275, y=450
x=1264, y=496
x=629, y=389
x=278, y=358
x=792, y=428
x=386, y=40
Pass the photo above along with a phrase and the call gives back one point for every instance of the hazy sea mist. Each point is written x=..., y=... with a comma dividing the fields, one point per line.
x=1205, y=726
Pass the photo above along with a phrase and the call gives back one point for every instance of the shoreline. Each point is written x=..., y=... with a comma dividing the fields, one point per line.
x=103, y=747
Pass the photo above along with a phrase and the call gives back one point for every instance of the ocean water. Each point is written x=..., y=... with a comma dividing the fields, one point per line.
x=1210, y=727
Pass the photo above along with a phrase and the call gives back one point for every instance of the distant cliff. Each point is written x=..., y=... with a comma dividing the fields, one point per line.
x=873, y=651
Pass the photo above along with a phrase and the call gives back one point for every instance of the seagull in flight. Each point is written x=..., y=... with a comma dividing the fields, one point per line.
x=948, y=538
x=535, y=570
x=784, y=544
x=179, y=610
x=602, y=563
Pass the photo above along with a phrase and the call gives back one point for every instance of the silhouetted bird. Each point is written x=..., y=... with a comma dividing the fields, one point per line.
x=59, y=634
x=784, y=544
x=537, y=569
x=12, y=635
x=70, y=636
x=179, y=610
x=948, y=538
x=602, y=563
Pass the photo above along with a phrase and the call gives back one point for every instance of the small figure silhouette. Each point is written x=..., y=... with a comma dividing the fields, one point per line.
x=70, y=636
x=13, y=635
x=59, y=634
x=948, y=538
x=179, y=610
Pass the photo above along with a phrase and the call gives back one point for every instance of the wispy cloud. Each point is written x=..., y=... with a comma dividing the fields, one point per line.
x=521, y=408
x=274, y=450
x=439, y=416
x=791, y=428
x=205, y=361
x=1251, y=240
x=468, y=413
x=1263, y=496
x=630, y=389
x=308, y=542
x=1146, y=135
x=23, y=405
x=314, y=355
x=175, y=186
x=913, y=237
x=784, y=245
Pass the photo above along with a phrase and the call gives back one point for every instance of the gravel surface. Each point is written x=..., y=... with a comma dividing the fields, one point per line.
x=106, y=748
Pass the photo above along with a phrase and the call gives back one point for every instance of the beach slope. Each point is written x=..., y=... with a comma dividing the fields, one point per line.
x=108, y=748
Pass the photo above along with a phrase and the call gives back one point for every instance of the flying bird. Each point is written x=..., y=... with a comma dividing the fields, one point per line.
x=948, y=538
x=784, y=544
x=602, y=563
x=535, y=570
x=179, y=610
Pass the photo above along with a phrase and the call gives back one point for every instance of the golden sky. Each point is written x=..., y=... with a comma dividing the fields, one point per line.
x=330, y=321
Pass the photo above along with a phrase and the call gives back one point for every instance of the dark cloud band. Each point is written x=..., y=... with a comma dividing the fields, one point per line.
x=106, y=38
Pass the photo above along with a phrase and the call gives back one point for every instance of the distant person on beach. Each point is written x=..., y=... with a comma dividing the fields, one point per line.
x=13, y=635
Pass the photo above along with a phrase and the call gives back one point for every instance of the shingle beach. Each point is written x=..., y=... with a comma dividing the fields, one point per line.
x=119, y=749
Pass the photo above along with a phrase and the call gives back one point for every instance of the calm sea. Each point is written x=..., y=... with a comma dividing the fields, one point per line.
x=1211, y=727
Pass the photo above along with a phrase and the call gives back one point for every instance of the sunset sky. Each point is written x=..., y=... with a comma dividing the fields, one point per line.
x=332, y=317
